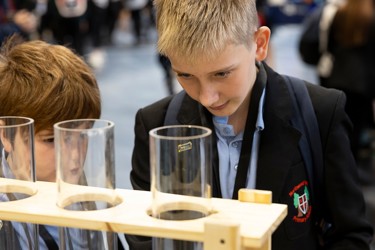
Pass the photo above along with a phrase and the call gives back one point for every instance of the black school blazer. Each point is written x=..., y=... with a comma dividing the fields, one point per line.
x=280, y=166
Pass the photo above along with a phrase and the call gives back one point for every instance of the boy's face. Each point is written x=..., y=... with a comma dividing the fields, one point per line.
x=44, y=153
x=223, y=85
x=45, y=156
x=74, y=151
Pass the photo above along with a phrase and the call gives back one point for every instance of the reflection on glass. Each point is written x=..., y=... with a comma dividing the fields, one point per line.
x=16, y=162
x=85, y=159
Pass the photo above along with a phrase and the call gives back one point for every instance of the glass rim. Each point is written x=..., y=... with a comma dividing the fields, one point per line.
x=109, y=124
x=27, y=121
x=207, y=132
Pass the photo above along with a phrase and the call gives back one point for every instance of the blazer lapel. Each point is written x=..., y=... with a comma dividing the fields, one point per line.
x=189, y=112
x=279, y=140
x=277, y=145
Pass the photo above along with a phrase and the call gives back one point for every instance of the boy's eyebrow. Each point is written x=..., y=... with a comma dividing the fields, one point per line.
x=227, y=68
x=177, y=71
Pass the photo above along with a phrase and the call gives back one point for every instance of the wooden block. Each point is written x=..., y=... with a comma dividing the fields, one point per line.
x=256, y=196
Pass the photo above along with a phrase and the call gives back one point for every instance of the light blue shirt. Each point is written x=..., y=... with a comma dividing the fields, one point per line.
x=229, y=150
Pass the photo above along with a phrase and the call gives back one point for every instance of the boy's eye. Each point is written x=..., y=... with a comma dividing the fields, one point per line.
x=183, y=75
x=49, y=139
x=222, y=74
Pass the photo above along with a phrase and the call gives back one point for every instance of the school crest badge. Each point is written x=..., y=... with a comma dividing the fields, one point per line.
x=301, y=201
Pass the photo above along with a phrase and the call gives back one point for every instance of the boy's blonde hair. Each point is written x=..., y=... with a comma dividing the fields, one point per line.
x=192, y=28
x=48, y=83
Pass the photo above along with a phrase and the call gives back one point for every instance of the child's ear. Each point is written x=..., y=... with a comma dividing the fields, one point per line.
x=262, y=38
x=4, y=141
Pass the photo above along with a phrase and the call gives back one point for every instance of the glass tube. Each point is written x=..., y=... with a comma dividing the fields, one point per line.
x=85, y=157
x=180, y=159
x=17, y=162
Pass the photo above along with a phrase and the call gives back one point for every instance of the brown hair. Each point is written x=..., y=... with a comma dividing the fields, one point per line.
x=48, y=83
x=352, y=22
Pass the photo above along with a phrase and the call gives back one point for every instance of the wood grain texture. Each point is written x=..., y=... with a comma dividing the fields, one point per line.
x=247, y=224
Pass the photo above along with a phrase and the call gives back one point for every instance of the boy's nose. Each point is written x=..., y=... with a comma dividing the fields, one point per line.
x=208, y=95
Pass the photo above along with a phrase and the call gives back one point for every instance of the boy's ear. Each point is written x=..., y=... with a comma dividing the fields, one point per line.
x=4, y=141
x=262, y=38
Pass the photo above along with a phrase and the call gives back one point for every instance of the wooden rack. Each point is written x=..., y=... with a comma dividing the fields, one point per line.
x=247, y=223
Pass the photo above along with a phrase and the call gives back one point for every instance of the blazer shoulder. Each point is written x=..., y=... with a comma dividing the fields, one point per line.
x=329, y=108
x=158, y=105
x=325, y=99
x=153, y=115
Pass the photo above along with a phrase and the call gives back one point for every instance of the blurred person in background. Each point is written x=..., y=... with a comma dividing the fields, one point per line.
x=113, y=13
x=96, y=16
x=17, y=18
x=65, y=20
x=351, y=42
x=102, y=16
x=136, y=8
x=83, y=25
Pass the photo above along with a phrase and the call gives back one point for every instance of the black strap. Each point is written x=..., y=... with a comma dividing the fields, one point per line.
x=47, y=238
x=247, y=142
x=310, y=144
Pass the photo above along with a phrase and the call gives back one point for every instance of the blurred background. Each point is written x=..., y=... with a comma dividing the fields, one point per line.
x=117, y=38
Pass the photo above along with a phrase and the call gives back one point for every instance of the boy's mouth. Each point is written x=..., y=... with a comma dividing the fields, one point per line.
x=219, y=107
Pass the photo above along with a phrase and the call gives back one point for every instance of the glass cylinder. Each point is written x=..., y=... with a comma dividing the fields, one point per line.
x=85, y=158
x=180, y=158
x=17, y=163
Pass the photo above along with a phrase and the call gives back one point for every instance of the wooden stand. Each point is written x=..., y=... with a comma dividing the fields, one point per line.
x=247, y=223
